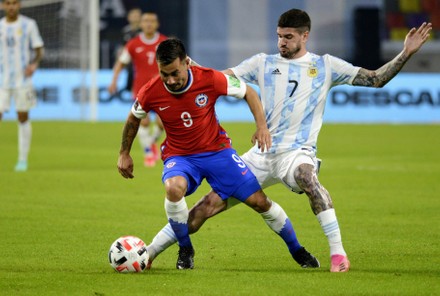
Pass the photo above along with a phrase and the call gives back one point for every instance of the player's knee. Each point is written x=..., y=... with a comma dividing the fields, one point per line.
x=175, y=188
x=210, y=205
x=22, y=117
x=213, y=204
x=259, y=202
x=304, y=176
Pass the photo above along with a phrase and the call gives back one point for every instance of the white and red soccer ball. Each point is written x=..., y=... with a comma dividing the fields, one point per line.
x=128, y=254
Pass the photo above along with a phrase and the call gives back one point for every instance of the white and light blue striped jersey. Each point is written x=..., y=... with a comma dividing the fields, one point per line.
x=293, y=93
x=16, y=41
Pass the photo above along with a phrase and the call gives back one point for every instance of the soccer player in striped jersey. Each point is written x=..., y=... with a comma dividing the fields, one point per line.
x=294, y=85
x=196, y=147
x=141, y=51
x=19, y=36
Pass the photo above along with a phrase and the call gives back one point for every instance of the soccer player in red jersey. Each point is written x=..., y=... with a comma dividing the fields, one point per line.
x=196, y=147
x=141, y=51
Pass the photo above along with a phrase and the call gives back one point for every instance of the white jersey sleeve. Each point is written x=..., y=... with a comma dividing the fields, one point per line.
x=248, y=70
x=35, y=36
x=342, y=72
x=235, y=87
x=125, y=57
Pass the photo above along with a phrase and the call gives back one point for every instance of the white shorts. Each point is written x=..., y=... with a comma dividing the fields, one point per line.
x=24, y=99
x=271, y=169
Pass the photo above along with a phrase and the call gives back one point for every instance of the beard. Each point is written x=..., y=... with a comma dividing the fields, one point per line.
x=289, y=54
x=174, y=87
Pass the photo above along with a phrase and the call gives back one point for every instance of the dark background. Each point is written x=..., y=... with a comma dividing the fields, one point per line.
x=173, y=22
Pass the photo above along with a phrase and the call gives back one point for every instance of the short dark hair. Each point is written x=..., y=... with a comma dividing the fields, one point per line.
x=169, y=50
x=295, y=18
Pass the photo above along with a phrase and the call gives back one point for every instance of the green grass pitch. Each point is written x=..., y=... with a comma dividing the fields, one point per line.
x=57, y=220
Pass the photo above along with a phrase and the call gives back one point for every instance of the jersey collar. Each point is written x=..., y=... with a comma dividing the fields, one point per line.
x=303, y=58
x=149, y=41
x=182, y=90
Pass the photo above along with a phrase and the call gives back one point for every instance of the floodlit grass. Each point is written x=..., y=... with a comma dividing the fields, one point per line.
x=57, y=220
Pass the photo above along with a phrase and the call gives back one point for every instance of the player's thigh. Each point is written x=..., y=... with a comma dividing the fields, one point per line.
x=288, y=162
x=25, y=99
x=261, y=167
x=180, y=166
x=229, y=176
x=5, y=100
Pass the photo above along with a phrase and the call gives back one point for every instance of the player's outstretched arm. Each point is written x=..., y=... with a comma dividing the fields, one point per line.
x=125, y=162
x=262, y=135
x=413, y=42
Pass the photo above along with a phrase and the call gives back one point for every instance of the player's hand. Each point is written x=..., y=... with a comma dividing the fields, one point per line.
x=416, y=37
x=263, y=138
x=125, y=166
x=112, y=88
x=30, y=69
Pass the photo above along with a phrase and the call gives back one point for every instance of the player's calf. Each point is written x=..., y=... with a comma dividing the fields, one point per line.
x=209, y=206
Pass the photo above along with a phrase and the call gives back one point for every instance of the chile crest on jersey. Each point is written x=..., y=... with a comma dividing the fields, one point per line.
x=201, y=100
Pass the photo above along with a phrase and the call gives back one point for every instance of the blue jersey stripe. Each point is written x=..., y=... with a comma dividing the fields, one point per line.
x=269, y=81
x=23, y=49
x=9, y=43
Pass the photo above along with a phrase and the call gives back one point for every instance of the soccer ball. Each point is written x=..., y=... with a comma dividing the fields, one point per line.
x=128, y=254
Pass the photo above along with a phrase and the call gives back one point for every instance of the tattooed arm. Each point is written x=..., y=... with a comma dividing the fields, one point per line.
x=413, y=41
x=125, y=162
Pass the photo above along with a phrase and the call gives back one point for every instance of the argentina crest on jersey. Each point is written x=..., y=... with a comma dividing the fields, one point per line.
x=312, y=71
x=201, y=100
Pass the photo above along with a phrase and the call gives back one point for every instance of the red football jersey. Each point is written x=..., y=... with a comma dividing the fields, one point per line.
x=142, y=53
x=188, y=116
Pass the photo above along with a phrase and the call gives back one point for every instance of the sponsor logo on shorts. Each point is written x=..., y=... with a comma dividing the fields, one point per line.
x=244, y=172
x=171, y=164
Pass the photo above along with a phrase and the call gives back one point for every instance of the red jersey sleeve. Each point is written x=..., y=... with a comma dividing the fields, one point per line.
x=141, y=106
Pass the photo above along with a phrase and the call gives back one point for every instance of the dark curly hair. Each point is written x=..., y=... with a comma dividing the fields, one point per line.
x=295, y=18
x=169, y=50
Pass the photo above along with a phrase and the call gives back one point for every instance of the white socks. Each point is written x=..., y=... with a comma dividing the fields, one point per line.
x=275, y=218
x=163, y=239
x=24, y=140
x=330, y=226
x=177, y=211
